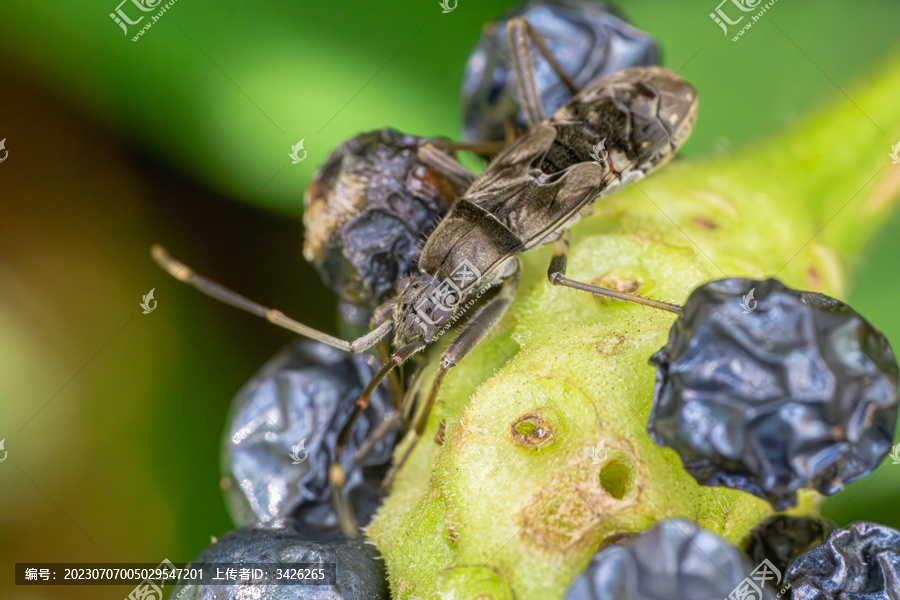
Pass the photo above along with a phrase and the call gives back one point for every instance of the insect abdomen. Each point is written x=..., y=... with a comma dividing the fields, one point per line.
x=468, y=237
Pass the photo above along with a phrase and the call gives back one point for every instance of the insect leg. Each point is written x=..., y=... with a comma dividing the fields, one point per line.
x=383, y=313
x=560, y=259
x=471, y=333
x=401, y=414
x=557, y=275
x=485, y=148
x=433, y=155
x=439, y=436
x=529, y=94
x=346, y=518
x=509, y=130
x=183, y=273
x=336, y=474
x=538, y=40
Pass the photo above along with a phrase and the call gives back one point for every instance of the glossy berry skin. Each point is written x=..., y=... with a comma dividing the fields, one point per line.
x=861, y=562
x=358, y=573
x=677, y=560
x=305, y=393
x=367, y=213
x=799, y=392
x=781, y=539
x=585, y=36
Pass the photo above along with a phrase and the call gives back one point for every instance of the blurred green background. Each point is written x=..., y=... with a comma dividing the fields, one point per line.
x=112, y=418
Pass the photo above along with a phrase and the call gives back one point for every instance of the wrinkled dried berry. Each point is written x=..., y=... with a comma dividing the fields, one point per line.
x=861, y=562
x=586, y=38
x=774, y=391
x=304, y=394
x=367, y=212
x=781, y=539
x=675, y=560
x=358, y=573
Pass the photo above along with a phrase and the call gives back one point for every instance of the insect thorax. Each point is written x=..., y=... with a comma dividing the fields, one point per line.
x=423, y=308
x=426, y=306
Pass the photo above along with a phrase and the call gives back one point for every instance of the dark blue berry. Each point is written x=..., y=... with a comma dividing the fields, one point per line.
x=775, y=391
x=358, y=572
x=305, y=393
x=367, y=212
x=861, y=562
x=676, y=560
x=585, y=37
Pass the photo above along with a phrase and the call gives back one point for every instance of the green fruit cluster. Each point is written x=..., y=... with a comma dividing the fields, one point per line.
x=545, y=456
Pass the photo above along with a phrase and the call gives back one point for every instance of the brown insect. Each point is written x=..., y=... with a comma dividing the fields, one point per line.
x=529, y=195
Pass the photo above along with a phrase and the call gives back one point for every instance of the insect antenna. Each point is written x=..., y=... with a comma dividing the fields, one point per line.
x=183, y=273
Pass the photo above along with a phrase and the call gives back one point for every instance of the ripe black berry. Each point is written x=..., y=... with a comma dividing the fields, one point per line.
x=861, y=562
x=586, y=38
x=676, y=560
x=774, y=391
x=367, y=212
x=358, y=573
x=305, y=393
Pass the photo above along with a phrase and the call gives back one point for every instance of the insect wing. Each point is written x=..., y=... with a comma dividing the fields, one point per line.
x=469, y=240
x=530, y=203
x=501, y=179
x=469, y=234
x=552, y=205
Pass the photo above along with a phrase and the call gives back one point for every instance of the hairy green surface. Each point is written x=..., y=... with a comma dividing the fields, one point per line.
x=546, y=456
